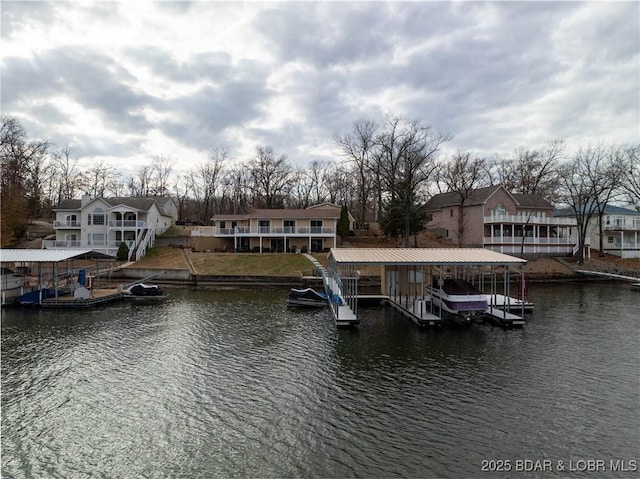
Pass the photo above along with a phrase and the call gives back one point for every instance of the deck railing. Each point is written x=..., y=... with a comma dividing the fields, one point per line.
x=531, y=220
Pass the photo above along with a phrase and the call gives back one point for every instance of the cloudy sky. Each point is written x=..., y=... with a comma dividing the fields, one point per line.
x=127, y=81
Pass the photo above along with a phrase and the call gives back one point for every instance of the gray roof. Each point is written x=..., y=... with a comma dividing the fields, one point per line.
x=139, y=203
x=422, y=256
x=48, y=255
x=281, y=213
x=480, y=197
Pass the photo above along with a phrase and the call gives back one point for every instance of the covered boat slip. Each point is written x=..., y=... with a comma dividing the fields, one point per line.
x=53, y=275
x=412, y=278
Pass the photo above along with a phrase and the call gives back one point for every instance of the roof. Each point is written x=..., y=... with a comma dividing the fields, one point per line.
x=281, y=213
x=452, y=198
x=422, y=256
x=140, y=203
x=48, y=255
x=531, y=201
x=481, y=195
x=608, y=210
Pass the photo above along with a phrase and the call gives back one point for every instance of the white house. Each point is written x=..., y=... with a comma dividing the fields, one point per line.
x=620, y=231
x=102, y=224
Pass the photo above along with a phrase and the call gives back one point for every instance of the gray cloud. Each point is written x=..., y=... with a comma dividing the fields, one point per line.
x=495, y=75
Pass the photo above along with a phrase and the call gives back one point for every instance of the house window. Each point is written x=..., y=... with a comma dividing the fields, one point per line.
x=451, y=212
x=316, y=245
x=610, y=239
x=97, y=218
x=223, y=225
x=499, y=210
x=316, y=226
x=289, y=226
x=96, y=239
x=263, y=226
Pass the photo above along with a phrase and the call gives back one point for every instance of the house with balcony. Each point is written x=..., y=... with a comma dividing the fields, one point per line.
x=496, y=219
x=620, y=230
x=311, y=229
x=102, y=224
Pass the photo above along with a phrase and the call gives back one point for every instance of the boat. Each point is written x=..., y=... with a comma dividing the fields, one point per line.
x=144, y=292
x=306, y=297
x=458, y=296
x=635, y=286
x=11, y=280
x=515, y=304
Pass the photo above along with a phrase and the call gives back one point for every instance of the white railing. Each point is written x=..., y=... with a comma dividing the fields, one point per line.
x=264, y=231
x=133, y=224
x=624, y=227
x=66, y=224
x=530, y=240
x=531, y=220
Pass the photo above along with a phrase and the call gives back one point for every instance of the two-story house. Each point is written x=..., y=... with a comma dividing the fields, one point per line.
x=102, y=224
x=494, y=218
x=273, y=230
x=620, y=230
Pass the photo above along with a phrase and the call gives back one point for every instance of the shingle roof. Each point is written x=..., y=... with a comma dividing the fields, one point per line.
x=481, y=195
x=134, y=202
x=477, y=197
x=69, y=205
x=281, y=213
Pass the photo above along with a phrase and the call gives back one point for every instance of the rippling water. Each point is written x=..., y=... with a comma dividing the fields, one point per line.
x=234, y=384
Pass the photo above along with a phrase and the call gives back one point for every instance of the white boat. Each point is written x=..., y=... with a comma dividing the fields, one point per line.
x=458, y=296
x=499, y=301
x=11, y=280
x=306, y=297
x=635, y=286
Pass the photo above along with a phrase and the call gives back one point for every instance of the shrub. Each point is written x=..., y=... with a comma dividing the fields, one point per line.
x=123, y=252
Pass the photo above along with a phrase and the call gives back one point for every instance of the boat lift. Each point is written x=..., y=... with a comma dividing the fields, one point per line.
x=407, y=274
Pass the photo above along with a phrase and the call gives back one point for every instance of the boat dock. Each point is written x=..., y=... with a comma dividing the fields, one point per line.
x=406, y=276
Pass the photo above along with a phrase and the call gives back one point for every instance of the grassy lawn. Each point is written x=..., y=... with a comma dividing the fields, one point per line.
x=232, y=264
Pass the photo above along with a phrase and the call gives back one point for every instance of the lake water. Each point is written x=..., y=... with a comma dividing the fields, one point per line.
x=234, y=384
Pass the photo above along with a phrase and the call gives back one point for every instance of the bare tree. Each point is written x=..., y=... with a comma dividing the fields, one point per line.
x=630, y=182
x=65, y=178
x=587, y=188
x=530, y=171
x=462, y=174
x=99, y=180
x=406, y=159
x=271, y=176
x=358, y=148
x=161, y=169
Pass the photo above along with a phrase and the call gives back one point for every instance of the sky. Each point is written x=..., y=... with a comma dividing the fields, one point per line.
x=127, y=82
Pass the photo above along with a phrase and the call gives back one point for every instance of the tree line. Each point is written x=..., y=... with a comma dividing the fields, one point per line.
x=383, y=171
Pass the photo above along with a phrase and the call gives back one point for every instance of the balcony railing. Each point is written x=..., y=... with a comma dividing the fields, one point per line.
x=622, y=227
x=127, y=224
x=66, y=224
x=95, y=245
x=267, y=231
x=531, y=220
x=567, y=240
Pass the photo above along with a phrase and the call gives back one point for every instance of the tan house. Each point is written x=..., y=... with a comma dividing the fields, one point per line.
x=494, y=218
x=272, y=230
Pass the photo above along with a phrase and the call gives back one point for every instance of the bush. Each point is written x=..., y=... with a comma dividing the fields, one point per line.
x=123, y=252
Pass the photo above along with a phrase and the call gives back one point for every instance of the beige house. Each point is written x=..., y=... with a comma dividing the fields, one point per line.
x=494, y=218
x=272, y=230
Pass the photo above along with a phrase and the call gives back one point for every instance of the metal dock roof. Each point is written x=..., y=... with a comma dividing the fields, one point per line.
x=48, y=255
x=422, y=256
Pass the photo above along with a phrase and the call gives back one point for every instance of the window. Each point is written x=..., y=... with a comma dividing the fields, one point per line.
x=97, y=218
x=499, y=210
x=451, y=212
x=263, y=226
x=289, y=226
x=610, y=239
x=316, y=226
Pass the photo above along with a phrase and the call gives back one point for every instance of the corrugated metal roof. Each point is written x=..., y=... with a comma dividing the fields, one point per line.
x=423, y=256
x=48, y=255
